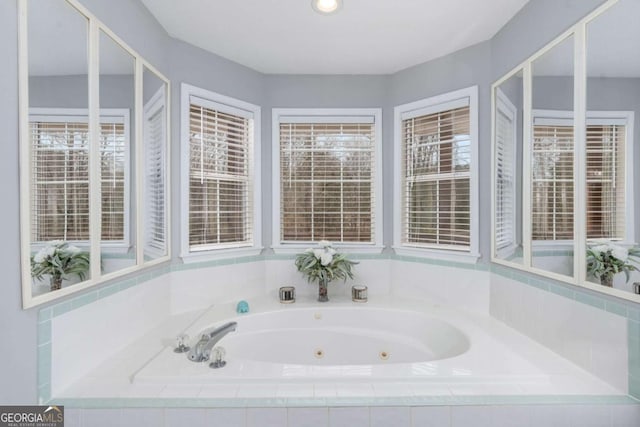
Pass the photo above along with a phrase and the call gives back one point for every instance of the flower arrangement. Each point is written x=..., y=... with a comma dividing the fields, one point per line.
x=605, y=260
x=324, y=264
x=59, y=259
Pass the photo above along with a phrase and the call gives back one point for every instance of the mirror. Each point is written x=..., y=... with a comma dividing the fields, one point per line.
x=94, y=120
x=117, y=153
x=552, y=160
x=59, y=145
x=154, y=139
x=508, y=105
x=613, y=108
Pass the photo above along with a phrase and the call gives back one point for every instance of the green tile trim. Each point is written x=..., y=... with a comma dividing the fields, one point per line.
x=44, y=333
x=44, y=364
x=343, y=401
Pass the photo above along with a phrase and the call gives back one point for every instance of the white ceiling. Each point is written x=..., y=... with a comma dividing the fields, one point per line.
x=365, y=37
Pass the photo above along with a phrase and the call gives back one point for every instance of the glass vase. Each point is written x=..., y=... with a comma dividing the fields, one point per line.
x=606, y=280
x=55, y=283
x=322, y=290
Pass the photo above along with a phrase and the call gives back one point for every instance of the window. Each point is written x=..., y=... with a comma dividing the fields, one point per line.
x=328, y=176
x=221, y=163
x=155, y=179
x=436, y=191
x=60, y=175
x=505, y=172
x=606, y=157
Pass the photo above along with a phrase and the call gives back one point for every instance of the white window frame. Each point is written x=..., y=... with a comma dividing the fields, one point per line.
x=107, y=115
x=228, y=105
x=446, y=101
x=155, y=104
x=625, y=118
x=504, y=105
x=327, y=115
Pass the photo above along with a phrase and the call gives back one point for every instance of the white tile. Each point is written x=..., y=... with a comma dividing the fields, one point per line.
x=550, y=416
x=589, y=416
x=257, y=390
x=431, y=416
x=227, y=417
x=390, y=416
x=349, y=417
x=179, y=417
x=392, y=390
x=266, y=417
x=476, y=416
x=308, y=417
x=295, y=390
x=72, y=417
x=324, y=390
x=625, y=416
x=354, y=390
x=219, y=391
x=180, y=391
x=135, y=417
x=511, y=416
x=101, y=417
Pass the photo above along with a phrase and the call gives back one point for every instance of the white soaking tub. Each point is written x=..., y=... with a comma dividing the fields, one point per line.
x=382, y=341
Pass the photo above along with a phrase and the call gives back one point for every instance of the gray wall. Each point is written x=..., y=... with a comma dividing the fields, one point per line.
x=537, y=23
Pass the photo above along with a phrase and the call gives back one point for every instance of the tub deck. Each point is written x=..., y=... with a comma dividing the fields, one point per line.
x=501, y=366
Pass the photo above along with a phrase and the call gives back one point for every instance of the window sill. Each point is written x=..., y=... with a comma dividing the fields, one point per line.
x=220, y=254
x=296, y=248
x=438, y=254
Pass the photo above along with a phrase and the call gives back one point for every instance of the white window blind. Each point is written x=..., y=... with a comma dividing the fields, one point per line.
x=155, y=179
x=505, y=179
x=60, y=184
x=327, y=173
x=606, y=181
x=553, y=193
x=436, y=153
x=220, y=178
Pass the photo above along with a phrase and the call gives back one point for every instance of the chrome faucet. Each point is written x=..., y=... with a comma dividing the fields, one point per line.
x=202, y=350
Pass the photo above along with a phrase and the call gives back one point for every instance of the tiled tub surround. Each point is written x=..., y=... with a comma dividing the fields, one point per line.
x=186, y=291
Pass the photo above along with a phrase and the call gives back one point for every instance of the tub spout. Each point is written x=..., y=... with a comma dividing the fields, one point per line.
x=202, y=350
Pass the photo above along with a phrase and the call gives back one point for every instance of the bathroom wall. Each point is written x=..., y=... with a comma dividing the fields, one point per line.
x=536, y=24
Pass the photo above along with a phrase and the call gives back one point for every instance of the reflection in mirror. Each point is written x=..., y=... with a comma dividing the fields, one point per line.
x=59, y=143
x=613, y=101
x=154, y=139
x=508, y=167
x=117, y=99
x=552, y=151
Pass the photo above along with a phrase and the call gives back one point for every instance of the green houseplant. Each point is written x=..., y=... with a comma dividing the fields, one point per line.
x=58, y=259
x=605, y=260
x=324, y=264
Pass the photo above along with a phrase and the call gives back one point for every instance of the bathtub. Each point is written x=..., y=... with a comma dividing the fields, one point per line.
x=390, y=340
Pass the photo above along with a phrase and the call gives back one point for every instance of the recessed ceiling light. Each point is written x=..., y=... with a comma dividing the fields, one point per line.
x=326, y=7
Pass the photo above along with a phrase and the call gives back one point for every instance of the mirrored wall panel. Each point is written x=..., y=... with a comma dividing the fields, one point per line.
x=59, y=146
x=93, y=153
x=613, y=108
x=117, y=155
x=552, y=160
x=508, y=102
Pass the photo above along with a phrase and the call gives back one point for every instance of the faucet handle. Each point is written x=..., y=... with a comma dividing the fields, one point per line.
x=181, y=344
x=218, y=358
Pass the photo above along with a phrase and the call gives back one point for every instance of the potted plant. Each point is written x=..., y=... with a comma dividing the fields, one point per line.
x=324, y=264
x=58, y=259
x=605, y=260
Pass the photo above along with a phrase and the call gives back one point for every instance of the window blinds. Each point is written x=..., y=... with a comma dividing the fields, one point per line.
x=606, y=181
x=505, y=180
x=60, y=184
x=436, y=153
x=327, y=182
x=553, y=196
x=220, y=207
x=155, y=182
